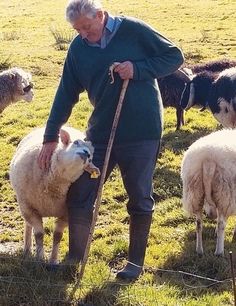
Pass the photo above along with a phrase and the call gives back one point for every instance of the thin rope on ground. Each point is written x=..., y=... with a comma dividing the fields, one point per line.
x=147, y=269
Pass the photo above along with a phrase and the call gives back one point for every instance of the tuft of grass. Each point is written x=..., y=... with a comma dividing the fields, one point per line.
x=62, y=37
x=13, y=35
x=5, y=63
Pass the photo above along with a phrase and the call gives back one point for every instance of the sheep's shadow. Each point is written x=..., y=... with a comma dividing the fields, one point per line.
x=167, y=180
x=180, y=140
x=166, y=183
x=197, y=274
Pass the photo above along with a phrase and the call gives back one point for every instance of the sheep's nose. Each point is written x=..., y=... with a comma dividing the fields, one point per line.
x=84, y=155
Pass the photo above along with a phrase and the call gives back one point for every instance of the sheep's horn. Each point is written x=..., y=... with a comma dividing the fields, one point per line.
x=191, y=96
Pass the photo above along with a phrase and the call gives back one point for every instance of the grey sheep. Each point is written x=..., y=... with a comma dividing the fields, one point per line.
x=15, y=85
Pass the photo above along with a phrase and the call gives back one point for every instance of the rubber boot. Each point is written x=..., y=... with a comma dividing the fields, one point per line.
x=139, y=231
x=79, y=228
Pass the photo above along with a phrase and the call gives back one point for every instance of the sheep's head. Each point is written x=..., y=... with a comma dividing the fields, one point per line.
x=222, y=98
x=22, y=84
x=196, y=90
x=72, y=158
x=225, y=112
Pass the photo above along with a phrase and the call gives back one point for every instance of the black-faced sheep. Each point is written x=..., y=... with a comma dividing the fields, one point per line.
x=200, y=90
x=222, y=98
x=42, y=193
x=208, y=172
x=172, y=86
x=15, y=85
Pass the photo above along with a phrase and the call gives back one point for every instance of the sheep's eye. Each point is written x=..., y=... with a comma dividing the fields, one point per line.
x=86, y=152
x=27, y=88
x=76, y=142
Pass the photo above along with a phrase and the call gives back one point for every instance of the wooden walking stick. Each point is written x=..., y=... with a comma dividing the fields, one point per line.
x=233, y=278
x=103, y=174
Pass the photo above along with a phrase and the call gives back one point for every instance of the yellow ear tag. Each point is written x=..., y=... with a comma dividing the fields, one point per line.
x=94, y=174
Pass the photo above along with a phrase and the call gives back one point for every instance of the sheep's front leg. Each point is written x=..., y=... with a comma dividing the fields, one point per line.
x=199, y=247
x=180, y=117
x=221, y=222
x=57, y=235
x=27, y=239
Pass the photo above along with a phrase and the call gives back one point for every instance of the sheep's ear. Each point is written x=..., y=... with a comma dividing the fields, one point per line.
x=12, y=76
x=65, y=137
x=18, y=77
x=93, y=170
x=29, y=76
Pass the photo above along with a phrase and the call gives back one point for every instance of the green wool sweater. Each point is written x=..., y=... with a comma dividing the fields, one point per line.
x=87, y=68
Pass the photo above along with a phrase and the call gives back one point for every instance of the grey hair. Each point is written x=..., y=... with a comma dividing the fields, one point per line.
x=78, y=8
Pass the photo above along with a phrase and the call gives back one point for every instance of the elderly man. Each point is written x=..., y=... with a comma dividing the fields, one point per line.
x=144, y=55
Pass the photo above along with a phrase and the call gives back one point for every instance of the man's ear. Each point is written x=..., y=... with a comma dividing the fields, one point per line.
x=100, y=14
x=65, y=137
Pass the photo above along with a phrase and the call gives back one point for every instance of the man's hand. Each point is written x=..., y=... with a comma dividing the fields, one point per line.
x=45, y=155
x=125, y=70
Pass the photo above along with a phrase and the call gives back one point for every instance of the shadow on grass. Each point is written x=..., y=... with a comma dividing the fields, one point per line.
x=27, y=282
x=179, y=141
x=202, y=274
x=106, y=294
x=166, y=183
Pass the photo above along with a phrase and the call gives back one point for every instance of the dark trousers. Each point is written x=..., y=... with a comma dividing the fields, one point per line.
x=136, y=162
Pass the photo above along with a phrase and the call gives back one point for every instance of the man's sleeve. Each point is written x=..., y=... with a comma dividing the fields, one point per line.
x=162, y=57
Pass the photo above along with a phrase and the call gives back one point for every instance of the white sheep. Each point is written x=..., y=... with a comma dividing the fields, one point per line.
x=15, y=85
x=208, y=172
x=42, y=193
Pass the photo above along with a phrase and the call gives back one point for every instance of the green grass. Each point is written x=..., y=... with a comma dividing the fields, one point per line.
x=34, y=35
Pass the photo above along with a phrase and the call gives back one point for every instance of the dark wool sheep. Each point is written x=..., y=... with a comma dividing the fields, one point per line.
x=172, y=86
x=203, y=76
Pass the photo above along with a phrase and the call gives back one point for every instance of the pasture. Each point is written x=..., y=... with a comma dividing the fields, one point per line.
x=34, y=35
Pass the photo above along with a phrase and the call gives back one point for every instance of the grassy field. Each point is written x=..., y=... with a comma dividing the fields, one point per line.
x=34, y=35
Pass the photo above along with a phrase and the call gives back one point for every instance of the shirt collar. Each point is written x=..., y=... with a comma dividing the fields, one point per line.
x=110, y=22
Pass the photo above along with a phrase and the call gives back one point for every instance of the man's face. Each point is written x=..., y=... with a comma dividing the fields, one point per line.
x=90, y=28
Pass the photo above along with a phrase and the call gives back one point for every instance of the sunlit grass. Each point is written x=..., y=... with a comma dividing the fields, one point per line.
x=35, y=36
